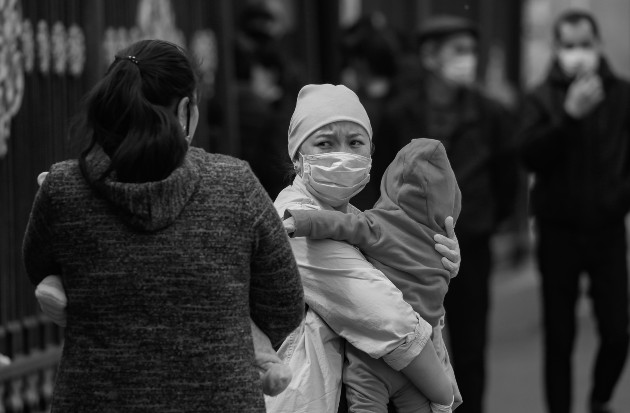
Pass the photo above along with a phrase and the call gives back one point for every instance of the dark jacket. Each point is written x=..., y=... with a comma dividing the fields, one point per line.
x=581, y=167
x=162, y=278
x=479, y=148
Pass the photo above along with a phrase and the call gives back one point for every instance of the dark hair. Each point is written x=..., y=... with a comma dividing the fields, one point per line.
x=132, y=111
x=572, y=17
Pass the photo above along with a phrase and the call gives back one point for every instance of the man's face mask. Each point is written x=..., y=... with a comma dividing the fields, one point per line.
x=578, y=61
x=455, y=60
x=460, y=70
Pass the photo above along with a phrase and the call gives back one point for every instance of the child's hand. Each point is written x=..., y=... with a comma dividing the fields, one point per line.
x=289, y=225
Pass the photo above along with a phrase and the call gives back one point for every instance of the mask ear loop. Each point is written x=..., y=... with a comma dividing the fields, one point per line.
x=188, y=120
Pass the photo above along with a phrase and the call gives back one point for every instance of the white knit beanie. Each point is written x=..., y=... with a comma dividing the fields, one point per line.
x=319, y=105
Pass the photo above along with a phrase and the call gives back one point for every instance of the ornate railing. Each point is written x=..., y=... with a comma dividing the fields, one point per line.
x=34, y=346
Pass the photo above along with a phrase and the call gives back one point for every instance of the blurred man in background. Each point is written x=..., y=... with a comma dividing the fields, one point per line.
x=371, y=50
x=446, y=105
x=575, y=139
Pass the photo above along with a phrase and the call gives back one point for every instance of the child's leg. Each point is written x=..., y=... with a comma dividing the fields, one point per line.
x=370, y=383
x=442, y=352
x=427, y=373
x=275, y=375
x=409, y=400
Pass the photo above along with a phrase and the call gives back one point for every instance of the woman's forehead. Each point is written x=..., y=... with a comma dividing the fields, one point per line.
x=343, y=127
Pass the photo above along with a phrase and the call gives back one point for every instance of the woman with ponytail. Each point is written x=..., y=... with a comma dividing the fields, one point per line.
x=164, y=250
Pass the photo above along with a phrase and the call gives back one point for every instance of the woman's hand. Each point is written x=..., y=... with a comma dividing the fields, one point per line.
x=449, y=248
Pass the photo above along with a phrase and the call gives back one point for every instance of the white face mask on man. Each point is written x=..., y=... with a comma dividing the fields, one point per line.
x=578, y=60
x=460, y=70
x=335, y=177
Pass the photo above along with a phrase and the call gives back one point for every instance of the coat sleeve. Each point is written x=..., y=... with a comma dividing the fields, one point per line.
x=37, y=248
x=542, y=136
x=359, y=230
x=505, y=167
x=276, y=294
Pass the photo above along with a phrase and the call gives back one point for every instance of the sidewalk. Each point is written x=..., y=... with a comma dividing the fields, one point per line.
x=515, y=348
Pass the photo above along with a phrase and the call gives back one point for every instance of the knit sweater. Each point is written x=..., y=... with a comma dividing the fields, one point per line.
x=161, y=279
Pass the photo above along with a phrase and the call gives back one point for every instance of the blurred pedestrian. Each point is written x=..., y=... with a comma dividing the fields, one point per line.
x=371, y=50
x=268, y=80
x=164, y=252
x=446, y=105
x=576, y=140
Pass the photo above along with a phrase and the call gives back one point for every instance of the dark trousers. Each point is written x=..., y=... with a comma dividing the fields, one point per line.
x=563, y=255
x=466, y=306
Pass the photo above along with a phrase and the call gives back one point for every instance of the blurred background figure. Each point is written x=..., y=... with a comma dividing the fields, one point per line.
x=576, y=140
x=445, y=104
x=268, y=80
x=371, y=50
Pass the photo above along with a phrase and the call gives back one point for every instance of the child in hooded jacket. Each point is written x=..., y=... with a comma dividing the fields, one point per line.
x=418, y=191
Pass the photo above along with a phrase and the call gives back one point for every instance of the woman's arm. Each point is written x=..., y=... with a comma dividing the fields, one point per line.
x=276, y=293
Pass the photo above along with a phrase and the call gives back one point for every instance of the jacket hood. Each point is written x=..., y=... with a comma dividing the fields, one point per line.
x=148, y=206
x=421, y=183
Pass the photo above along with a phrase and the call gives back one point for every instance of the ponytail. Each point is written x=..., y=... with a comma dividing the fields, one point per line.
x=132, y=112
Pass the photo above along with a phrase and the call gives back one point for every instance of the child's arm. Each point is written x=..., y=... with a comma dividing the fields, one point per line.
x=360, y=230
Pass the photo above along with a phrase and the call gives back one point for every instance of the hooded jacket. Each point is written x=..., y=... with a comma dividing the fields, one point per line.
x=418, y=191
x=161, y=279
x=581, y=166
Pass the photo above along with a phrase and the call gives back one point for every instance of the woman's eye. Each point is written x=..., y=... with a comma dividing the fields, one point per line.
x=323, y=144
x=357, y=142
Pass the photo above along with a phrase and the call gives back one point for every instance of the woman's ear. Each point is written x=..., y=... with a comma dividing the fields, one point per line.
x=183, y=114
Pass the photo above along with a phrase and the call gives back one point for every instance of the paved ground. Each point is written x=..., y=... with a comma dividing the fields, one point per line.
x=515, y=362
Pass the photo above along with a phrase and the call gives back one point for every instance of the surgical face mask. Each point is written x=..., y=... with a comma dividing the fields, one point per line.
x=335, y=177
x=461, y=70
x=578, y=60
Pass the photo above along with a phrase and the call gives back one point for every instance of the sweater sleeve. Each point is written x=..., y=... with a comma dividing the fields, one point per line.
x=276, y=295
x=37, y=247
x=360, y=230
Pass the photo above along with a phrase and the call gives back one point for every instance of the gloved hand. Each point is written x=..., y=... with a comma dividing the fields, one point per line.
x=52, y=299
x=289, y=225
x=274, y=374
